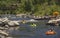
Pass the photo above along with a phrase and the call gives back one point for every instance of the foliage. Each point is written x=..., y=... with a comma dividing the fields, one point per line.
x=36, y=7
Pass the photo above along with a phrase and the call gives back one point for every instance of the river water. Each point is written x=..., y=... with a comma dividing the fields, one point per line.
x=26, y=31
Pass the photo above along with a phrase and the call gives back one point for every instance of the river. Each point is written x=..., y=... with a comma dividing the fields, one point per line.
x=26, y=31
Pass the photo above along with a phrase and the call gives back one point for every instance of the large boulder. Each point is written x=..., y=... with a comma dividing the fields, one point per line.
x=13, y=23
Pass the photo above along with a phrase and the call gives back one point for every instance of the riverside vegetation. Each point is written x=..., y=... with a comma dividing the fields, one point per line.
x=35, y=7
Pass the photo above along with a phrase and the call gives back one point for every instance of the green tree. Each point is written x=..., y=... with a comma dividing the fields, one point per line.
x=28, y=6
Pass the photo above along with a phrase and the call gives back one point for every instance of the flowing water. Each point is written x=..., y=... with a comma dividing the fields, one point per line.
x=27, y=31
